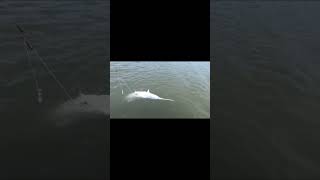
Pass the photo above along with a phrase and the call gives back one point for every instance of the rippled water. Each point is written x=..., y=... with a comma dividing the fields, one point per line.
x=73, y=38
x=187, y=83
x=266, y=59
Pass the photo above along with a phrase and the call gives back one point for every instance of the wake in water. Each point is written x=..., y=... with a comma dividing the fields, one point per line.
x=82, y=107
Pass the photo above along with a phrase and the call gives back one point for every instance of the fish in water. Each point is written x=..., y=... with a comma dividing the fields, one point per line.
x=144, y=95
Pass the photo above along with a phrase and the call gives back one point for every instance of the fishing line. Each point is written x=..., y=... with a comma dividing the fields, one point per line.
x=119, y=80
x=28, y=45
x=126, y=85
x=53, y=75
x=34, y=73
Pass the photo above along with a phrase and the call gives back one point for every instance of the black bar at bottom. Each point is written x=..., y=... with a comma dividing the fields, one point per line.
x=160, y=149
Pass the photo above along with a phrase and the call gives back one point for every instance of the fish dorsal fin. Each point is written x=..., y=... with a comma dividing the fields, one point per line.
x=148, y=90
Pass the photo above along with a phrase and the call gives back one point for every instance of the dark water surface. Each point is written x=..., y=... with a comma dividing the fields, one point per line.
x=266, y=90
x=72, y=37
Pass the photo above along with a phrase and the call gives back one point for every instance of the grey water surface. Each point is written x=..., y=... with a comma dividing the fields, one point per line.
x=187, y=83
x=267, y=88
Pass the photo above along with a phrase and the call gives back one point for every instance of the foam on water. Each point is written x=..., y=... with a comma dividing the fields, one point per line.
x=82, y=107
